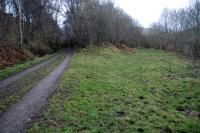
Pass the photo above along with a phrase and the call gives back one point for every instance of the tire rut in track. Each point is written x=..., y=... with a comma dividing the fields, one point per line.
x=14, y=120
x=16, y=90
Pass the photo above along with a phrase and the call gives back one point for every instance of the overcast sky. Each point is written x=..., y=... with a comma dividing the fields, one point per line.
x=149, y=11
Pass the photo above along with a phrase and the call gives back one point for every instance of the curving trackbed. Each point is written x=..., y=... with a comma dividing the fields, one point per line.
x=17, y=116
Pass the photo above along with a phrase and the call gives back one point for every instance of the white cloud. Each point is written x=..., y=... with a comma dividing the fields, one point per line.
x=148, y=11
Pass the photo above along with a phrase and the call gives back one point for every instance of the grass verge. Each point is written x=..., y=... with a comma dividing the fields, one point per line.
x=106, y=90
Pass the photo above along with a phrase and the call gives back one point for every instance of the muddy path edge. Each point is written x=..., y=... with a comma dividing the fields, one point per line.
x=12, y=78
x=14, y=120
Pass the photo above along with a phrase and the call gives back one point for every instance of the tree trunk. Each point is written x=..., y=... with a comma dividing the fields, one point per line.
x=20, y=23
x=2, y=20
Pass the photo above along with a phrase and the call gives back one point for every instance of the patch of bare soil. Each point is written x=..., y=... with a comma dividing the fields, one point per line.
x=125, y=48
x=188, y=112
x=192, y=113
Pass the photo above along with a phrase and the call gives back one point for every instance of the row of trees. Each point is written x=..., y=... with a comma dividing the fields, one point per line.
x=96, y=21
x=35, y=23
x=177, y=30
x=30, y=23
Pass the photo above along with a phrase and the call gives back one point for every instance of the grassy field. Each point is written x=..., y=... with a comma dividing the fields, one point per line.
x=106, y=90
x=21, y=66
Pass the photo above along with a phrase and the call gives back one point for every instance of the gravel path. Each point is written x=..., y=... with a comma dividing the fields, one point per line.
x=13, y=78
x=15, y=91
x=17, y=116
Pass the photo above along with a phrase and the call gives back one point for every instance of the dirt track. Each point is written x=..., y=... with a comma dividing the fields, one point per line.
x=15, y=77
x=17, y=116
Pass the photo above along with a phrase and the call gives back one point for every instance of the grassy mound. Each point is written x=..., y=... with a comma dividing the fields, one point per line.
x=106, y=90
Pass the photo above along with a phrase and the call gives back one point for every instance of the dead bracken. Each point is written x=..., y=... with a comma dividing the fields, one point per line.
x=125, y=48
x=10, y=55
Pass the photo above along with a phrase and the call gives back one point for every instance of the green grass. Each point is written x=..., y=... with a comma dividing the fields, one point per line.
x=21, y=66
x=15, y=91
x=106, y=90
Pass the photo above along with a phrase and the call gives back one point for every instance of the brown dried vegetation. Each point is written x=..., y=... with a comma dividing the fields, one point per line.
x=10, y=55
x=125, y=48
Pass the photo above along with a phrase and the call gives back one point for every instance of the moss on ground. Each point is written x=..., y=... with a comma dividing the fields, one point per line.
x=106, y=90
x=15, y=91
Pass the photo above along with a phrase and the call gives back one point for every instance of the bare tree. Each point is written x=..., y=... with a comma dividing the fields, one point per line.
x=178, y=30
x=20, y=22
x=95, y=22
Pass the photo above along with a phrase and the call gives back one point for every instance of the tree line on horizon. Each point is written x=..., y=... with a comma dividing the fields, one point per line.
x=177, y=30
x=96, y=21
x=37, y=25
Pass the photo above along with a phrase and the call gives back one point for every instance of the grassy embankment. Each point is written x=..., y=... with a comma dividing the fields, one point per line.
x=106, y=90
x=15, y=91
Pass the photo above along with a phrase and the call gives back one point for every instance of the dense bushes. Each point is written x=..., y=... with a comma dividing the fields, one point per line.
x=39, y=49
x=10, y=55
